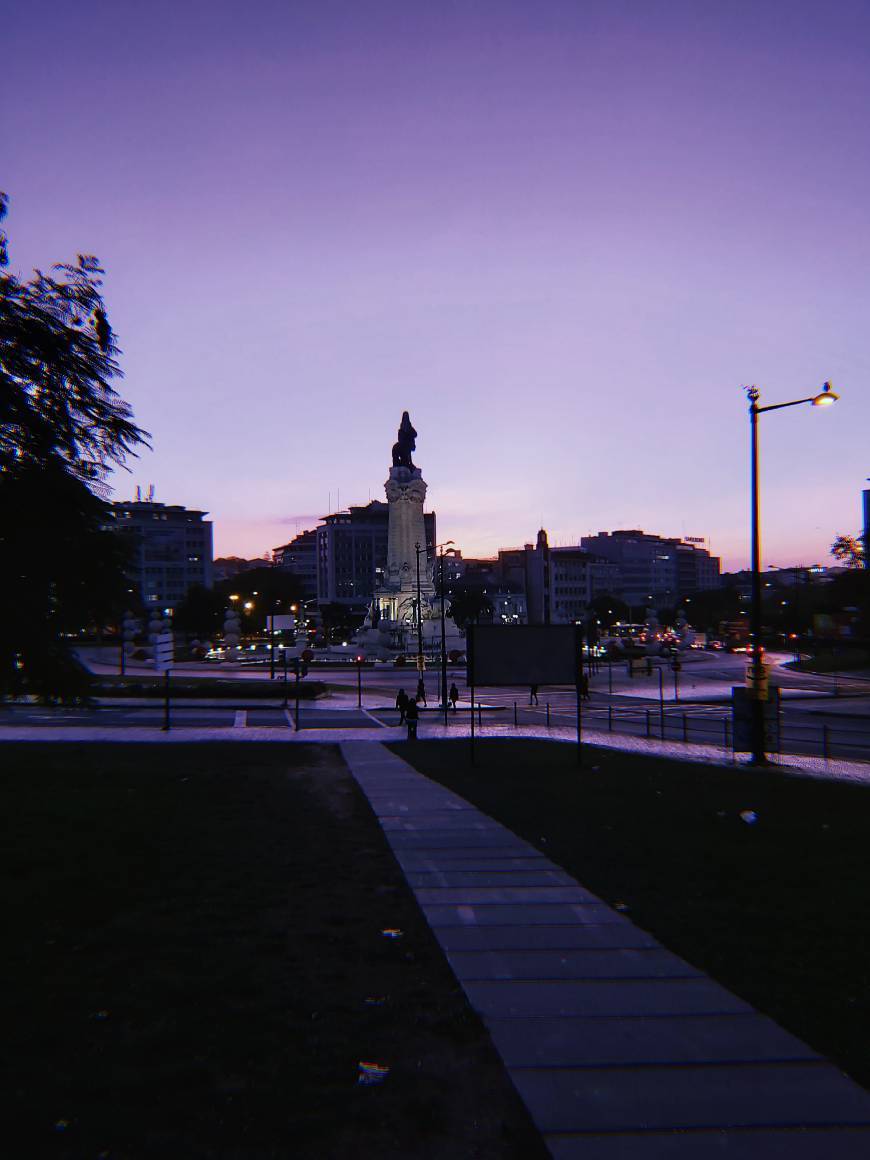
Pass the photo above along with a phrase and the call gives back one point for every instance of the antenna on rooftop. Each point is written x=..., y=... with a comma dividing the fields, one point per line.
x=138, y=493
x=151, y=493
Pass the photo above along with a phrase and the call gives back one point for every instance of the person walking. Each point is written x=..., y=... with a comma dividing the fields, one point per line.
x=533, y=694
x=453, y=695
x=421, y=692
x=412, y=716
x=402, y=705
x=584, y=687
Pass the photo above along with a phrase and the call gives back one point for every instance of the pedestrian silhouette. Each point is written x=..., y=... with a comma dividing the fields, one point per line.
x=533, y=694
x=453, y=695
x=412, y=715
x=421, y=692
x=402, y=705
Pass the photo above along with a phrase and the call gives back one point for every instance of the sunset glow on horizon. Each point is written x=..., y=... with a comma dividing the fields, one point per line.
x=562, y=235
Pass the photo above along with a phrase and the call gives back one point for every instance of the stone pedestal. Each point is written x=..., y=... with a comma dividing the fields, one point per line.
x=406, y=494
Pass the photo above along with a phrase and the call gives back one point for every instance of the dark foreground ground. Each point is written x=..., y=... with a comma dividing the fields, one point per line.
x=193, y=933
x=776, y=909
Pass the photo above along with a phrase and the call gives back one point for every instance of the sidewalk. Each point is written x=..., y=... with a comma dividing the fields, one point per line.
x=430, y=729
x=620, y=1050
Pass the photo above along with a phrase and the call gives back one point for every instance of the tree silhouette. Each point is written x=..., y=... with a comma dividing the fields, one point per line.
x=62, y=429
x=469, y=606
x=848, y=550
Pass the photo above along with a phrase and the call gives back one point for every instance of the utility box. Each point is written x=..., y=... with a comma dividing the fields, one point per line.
x=741, y=720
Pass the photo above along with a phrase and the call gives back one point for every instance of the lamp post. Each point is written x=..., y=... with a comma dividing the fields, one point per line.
x=441, y=548
x=757, y=690
x=418, y=550
x=272, y=644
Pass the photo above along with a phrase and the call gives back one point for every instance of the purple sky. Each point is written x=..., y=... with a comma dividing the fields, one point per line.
x=561, y=233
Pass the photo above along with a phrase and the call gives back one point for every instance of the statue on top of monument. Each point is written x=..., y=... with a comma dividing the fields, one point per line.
x=406, y=443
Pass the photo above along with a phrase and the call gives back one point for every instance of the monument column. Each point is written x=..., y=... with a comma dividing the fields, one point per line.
x=406, y=494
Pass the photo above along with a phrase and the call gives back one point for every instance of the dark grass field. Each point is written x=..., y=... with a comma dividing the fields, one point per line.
x=778, y=910
x=192, y=933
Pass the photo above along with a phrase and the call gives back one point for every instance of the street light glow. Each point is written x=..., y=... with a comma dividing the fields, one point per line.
x=826, y=397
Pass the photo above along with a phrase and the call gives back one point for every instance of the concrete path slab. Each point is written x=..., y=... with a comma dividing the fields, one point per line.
x=621, y=1050
x=494, y=894
x=534, y=998
x=527, y=914
x=619, y=1099
x=431, y=878
x=716, y=1144
x=588, y=936
x=554, y=964
x=607, y=1041
x=472, y=862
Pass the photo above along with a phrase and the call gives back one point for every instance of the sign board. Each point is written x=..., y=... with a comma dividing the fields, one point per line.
x=694, y=539
x=741, y=717
x=757, y=679
x=527, y=654
x=282, y=622
x=164, y=652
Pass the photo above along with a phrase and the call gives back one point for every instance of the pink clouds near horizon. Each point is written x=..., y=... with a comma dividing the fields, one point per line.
x=562, y=235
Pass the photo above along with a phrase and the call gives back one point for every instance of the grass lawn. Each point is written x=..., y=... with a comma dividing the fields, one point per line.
x=835, y=660
x=192, y=933
x=778, y=910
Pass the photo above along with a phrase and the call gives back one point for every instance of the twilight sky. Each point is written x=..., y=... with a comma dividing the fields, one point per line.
x=562, y=233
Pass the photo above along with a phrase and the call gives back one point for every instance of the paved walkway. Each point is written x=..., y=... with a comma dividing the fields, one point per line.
x=837, y=768
x=620, y=1049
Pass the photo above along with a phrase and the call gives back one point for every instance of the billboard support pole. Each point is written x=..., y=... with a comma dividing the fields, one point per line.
x=469, y=651
x=578, y=637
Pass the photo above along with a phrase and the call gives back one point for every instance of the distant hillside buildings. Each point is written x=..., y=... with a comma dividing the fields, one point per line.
x=171, y=549
x=342, y=561
x=226, y=567
x=654, y=569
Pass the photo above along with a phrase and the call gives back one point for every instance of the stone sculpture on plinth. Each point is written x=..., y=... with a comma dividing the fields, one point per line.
x=390, y=628
x=406, y=530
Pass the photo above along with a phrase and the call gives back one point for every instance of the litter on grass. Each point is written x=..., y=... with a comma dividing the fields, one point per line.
x=375, y=1000
x=372, y=1073
x=392, y=932
x=749, y=816
x=620, y=906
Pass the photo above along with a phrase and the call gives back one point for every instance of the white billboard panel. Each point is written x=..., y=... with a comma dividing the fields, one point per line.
x=282, y=621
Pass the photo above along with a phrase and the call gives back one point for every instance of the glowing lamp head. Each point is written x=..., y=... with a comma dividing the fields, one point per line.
x=826, y=397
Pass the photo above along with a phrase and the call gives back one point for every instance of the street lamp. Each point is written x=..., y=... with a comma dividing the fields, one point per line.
x=418, y=550
x=756, y=651
x=441, y=548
